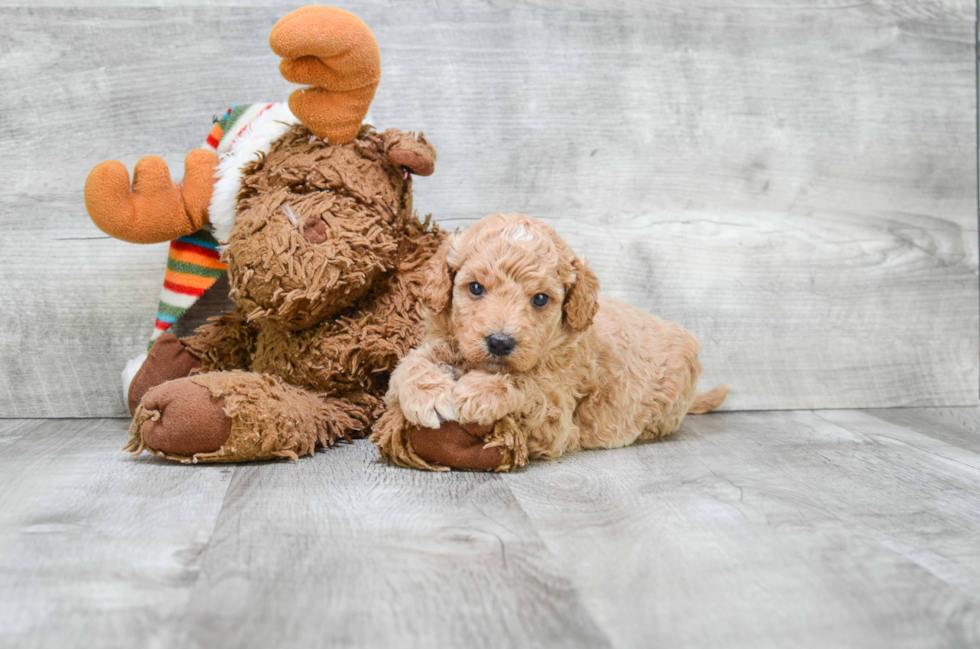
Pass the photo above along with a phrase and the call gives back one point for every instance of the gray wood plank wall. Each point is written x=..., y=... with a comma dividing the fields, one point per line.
x=795, y=182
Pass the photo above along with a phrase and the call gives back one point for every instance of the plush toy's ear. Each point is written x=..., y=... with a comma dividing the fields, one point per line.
x=437, y=290
x=582, y=298
x=413, y=153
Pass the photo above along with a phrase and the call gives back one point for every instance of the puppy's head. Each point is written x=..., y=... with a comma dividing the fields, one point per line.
x=509, y=291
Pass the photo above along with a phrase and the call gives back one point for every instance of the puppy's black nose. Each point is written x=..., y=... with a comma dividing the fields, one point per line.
x=500, y=345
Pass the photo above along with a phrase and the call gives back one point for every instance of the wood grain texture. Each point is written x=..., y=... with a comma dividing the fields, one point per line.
x=348, y=551
x=955, y=426
x=769, y=530
x=97, y=548
x=763, y=529
x=794, y=182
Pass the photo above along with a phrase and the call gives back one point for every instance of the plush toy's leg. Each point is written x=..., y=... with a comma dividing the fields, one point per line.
x=238, y=416
x=180, y=418
x=167, y=360
x=365, y=409
x=500, y=447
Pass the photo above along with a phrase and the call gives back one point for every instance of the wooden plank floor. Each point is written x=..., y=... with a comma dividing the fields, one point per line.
x=757, y=529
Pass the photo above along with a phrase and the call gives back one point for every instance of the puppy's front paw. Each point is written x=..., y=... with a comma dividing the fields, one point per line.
x=428, y=406
x=483, y=398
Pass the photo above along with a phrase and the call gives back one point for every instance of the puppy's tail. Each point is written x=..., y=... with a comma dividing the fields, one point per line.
x=708, y=401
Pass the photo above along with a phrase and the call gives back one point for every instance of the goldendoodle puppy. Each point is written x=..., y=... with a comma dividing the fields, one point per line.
x=517, y=335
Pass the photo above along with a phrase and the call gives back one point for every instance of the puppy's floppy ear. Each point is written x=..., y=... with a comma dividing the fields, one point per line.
x=437, y=287
x=582, y=298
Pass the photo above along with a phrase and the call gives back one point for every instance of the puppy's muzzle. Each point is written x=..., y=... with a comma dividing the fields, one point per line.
x=500, y=345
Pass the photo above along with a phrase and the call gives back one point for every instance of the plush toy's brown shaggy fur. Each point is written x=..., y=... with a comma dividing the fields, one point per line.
x=325, y=264
x=585, y=372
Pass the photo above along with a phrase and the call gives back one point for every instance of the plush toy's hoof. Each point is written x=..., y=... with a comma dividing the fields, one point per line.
x=190, y=420
x=457, y=446
x=167, y=360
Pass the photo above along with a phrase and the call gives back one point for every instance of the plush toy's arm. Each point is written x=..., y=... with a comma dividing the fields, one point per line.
x=437, y=420
x=154, y=208
x=226, y=342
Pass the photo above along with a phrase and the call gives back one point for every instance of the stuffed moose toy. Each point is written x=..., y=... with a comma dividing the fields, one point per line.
x=310, y=214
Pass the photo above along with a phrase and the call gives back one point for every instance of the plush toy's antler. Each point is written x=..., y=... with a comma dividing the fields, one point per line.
x=336, y=53
x=155, y=208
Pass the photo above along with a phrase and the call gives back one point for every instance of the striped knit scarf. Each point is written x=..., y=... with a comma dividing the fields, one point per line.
x=194, y=261
x=193, y=266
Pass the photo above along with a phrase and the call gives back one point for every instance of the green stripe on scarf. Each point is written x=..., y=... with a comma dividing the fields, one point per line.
x=193, y=269
x=228, y=121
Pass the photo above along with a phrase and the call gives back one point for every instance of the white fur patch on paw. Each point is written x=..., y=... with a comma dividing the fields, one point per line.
x=133, y=366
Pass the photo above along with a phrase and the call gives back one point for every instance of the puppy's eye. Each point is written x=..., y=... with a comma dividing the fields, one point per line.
x=539, y=300
x=476, y=289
